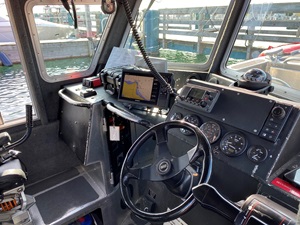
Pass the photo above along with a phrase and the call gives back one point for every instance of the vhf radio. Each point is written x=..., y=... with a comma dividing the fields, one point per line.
x=202, y=98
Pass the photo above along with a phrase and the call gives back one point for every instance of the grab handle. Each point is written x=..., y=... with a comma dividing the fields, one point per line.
x=72, y=101
x=127, y=115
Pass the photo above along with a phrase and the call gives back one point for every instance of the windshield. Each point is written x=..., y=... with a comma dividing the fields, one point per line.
x=269, y=39
x=179, y=32
x=186, y=35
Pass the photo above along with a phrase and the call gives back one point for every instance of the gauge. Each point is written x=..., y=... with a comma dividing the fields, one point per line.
x=257, y=153
x=176, y=116
x=193, y=119
x=233, y=144
x=211, y=130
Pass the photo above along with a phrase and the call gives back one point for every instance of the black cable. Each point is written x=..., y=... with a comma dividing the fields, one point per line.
x=74, y=15
x=165, y=85
x=26, y=135
x=68, y=8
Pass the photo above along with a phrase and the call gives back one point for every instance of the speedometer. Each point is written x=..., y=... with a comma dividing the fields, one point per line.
x=211, y=130
x=233, y=144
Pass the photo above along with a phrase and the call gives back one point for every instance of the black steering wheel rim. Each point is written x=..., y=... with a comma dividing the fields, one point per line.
x=190, y=201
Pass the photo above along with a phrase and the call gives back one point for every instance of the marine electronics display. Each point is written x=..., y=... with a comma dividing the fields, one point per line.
x=142, y=88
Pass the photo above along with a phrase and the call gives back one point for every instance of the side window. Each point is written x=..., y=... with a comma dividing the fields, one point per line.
x=269, y=39
x=66, y=49
x=14, y=93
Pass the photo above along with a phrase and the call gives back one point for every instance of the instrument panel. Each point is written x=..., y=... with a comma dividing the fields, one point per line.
x=245, y=130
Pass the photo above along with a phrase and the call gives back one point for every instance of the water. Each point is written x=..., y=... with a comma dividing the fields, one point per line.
x=14, y=92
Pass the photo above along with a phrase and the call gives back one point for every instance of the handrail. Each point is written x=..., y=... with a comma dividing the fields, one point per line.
x=72, y=101
x=127, y=115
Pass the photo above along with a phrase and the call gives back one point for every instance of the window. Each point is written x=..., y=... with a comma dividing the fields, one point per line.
x=269, y=39
x=178, y=31
x=63, y=51
x=14, y=93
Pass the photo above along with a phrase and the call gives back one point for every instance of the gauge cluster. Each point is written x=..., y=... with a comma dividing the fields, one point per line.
x=229, y=143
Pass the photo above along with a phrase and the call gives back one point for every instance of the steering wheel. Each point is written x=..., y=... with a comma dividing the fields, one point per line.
x=165, y=166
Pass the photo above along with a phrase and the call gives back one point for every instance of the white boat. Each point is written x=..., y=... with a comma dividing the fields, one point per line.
x=46, y=30
x=6, y=34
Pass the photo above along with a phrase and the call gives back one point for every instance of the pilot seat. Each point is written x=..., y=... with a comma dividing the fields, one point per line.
x=14, y=204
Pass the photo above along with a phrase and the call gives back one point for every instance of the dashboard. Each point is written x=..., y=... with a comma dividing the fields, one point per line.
x=252, y=136
x=252, y=133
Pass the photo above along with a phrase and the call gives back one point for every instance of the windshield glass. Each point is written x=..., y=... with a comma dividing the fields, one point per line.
x=269, y=39
x=177, y=31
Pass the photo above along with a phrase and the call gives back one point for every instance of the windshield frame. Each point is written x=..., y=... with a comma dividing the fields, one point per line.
x=37, y=46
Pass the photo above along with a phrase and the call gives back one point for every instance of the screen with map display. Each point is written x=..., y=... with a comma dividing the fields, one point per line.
x=142, y=88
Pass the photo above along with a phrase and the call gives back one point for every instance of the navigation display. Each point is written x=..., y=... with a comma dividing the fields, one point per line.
x=142, y=88
x=137, y=87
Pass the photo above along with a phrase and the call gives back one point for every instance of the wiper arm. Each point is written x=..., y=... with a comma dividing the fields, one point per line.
x=68, y=8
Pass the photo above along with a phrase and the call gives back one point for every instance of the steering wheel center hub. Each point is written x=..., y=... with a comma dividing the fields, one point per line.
x=164, y=167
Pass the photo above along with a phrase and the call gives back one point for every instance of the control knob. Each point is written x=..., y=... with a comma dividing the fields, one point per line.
x=278, y=112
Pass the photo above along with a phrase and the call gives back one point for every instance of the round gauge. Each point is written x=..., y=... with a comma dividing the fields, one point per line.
x=193, y=119
x=211, y=130
x=257, y=153
x=233, y=144
x=176, y=116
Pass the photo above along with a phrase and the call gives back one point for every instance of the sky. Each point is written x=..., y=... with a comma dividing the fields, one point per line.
x=2, y=8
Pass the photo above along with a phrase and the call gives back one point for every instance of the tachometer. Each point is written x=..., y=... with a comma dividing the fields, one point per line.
x=211, y=130
x=233, y=144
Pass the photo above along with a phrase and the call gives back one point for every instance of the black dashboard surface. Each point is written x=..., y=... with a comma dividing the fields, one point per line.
x=255, y=130
x=240, y=116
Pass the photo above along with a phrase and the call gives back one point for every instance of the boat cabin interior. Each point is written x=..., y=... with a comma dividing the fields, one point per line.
x=138, y=112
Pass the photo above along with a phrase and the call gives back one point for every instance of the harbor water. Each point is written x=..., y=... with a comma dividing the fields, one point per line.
x=14, y=92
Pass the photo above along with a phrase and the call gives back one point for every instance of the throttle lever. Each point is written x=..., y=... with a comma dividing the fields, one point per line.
x=208, y=197
x=257, y=208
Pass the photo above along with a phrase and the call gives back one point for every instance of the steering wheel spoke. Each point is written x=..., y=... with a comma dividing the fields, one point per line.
x=143, y=173
x=162, y=151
